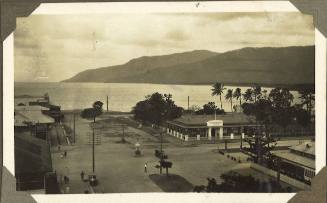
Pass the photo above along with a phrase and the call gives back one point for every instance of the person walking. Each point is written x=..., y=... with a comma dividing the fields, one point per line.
x=82, y=175
x=65, y=154
x=66, y=179
x=145, y=167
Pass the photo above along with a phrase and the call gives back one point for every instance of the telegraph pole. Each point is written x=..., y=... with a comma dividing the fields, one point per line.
x=93, y=161
x=161, y=155
x=188, y=102
x=74, y=129
x=107, y=103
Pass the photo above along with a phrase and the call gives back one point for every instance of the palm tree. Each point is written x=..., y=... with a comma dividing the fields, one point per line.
x=218, y=89
x=307, y=97
x=229, y=96
x=238, y=95
x=247, y=96
x=257, y=92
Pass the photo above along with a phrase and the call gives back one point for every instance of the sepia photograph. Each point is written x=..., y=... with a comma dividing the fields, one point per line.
x=205, y=102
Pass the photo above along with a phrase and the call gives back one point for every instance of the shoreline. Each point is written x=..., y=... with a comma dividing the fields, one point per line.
x=293, y=87
x=69, y=111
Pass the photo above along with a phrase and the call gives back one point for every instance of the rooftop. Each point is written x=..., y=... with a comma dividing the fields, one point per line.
x=31, y=108
x=201, y=120
x=306, y=147
x=22, y=117
x=295, y=158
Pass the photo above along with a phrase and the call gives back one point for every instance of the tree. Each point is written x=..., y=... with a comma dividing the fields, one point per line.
x=97, y=107
x=157, y=108
x=261, y=147
x=247, y=96
x=209, y=109
x=256, y=92
x=281, y=97
x=302, y=117
x=92, y=113
x=166, y=164
x=229, y=96
x=218, y=90
x=238, y=95
x=307, y=97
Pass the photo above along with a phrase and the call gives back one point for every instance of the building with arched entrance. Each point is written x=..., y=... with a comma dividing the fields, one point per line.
x=209, y=127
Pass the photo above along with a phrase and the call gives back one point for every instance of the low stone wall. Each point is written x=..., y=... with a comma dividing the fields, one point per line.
x=283, y=177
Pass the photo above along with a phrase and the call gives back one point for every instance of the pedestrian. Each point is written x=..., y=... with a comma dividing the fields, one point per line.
x=65, y=154
x=145, y=167
x=59, y=148
x=66, y=179
x=82, y=175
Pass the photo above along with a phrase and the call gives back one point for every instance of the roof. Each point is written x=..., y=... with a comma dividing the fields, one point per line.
x=28, y=96
x=201, y=120
x=306, y=147
x=295, y=158
x=31, y=108
x=30, y=116
x=32, y=155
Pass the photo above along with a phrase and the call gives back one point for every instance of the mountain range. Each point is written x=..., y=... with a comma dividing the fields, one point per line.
x=266, y=66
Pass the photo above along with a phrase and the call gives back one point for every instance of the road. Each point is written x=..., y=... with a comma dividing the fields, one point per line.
x=119, y=170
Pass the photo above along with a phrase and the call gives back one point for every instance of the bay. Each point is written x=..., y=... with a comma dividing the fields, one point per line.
x=123, y=96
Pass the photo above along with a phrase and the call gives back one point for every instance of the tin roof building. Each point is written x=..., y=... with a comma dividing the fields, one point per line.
x=208, y=126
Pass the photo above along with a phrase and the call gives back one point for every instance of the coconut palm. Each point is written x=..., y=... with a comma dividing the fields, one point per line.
x=238, y=95
x=229, y=96
x=218, y=90
x=257, y=92
x=247, y=96
x=307, y=98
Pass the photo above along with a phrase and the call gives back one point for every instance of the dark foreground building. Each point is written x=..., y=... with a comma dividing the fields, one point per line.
x=298, y=162
x=32, y=162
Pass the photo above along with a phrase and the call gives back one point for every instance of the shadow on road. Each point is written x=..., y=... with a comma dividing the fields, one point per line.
x=171, y=183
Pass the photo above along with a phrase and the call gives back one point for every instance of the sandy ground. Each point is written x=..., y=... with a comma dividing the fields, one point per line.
x=119, y=170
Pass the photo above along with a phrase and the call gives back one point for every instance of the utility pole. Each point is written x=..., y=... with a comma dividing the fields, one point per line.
x=74, y=129
x=93, y=161
x=188, y=102
x=161, y=155
x=107, y=103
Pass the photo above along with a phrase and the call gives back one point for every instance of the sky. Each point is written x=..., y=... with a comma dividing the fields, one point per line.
x=51, y=48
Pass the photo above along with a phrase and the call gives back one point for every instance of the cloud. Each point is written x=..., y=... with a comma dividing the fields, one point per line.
x=62, y=46
x=177, y=35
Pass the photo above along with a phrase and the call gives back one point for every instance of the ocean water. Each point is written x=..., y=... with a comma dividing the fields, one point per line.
x=122, y=96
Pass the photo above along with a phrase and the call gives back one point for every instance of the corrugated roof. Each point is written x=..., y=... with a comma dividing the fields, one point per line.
x=289, y=156
x=23, y=117
x=228, y=119
x=31, y=108
x=306, y=147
